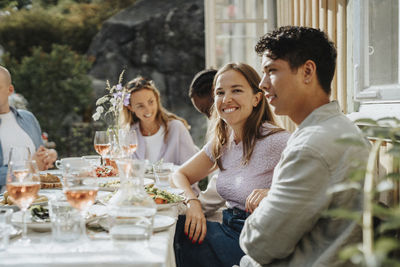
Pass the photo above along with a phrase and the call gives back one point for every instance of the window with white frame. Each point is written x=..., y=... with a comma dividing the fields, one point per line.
x=233, y=28
x=376, y=51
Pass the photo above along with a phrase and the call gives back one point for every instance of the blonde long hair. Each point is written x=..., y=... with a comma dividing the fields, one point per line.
x=163, y=116
x=251, y=131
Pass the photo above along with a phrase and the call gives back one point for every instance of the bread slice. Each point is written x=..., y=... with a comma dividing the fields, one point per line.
x=50, y=185
x=49, y=178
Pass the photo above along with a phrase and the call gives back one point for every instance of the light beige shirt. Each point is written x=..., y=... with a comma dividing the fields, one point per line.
x=287, y=229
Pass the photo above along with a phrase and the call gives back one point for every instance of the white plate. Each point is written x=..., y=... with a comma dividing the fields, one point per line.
x=146, y=181
x=167, y=206
x=162, y=222
x=45, y=192
x=37, y=226
x=175, y=191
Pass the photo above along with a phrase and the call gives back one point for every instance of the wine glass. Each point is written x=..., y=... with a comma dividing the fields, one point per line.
x=19, y=153
x=23, y=184
x=128, y=141
x=102, y=144
x=80, y=189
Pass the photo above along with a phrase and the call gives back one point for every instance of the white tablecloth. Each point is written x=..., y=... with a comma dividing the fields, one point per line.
x=99, y=252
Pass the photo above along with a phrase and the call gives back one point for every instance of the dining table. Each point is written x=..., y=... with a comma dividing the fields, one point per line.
x=98, y=250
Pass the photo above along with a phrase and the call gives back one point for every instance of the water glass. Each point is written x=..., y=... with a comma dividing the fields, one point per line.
x=65, y=221
x=162, y=173
x=5, y=227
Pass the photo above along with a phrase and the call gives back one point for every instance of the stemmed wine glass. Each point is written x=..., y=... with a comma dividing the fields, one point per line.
x=80, y=189
x=23, y=184
x=128, y=141
x=19, y=153
x=102, y=144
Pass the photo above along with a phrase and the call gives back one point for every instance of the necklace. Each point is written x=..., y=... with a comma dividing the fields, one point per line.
x=150, y=132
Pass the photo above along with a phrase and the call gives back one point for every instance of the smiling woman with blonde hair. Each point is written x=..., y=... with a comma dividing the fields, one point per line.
x=161, y=134
x=245, y=145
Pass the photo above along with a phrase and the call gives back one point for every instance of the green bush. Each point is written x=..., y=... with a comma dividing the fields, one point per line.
x=68, y=23
x=57, y=88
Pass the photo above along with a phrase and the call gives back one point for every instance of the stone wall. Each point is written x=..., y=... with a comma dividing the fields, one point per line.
x=159, y=39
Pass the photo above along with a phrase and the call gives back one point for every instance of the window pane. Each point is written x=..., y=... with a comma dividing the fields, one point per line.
x=236, y=42
x=383, y=42
x=240, y=9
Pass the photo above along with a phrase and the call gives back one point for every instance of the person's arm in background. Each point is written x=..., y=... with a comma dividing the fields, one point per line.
x=292, y=207
x=45, y=158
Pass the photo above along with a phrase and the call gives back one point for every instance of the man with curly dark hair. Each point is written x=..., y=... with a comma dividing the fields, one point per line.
x=288, y=228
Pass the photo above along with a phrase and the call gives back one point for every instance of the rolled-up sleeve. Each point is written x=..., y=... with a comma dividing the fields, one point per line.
x=293, y=205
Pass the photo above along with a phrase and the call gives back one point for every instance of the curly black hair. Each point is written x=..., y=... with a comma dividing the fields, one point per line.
x=202, y=83
x=296, y=45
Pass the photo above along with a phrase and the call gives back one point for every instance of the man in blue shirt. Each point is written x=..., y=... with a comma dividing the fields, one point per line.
x=19, y=128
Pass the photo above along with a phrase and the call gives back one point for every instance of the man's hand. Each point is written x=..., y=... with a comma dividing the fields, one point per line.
x=45, y=158
x=254, y=199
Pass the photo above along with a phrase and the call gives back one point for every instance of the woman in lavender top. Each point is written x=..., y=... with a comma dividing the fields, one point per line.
x=161, y=134
x=245, y=145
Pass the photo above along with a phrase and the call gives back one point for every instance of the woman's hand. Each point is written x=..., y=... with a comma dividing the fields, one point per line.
x=254, y=199
x=195, y=224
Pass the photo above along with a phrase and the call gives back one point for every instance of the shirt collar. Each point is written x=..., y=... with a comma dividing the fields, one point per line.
x=321, y=114
x=15, y=111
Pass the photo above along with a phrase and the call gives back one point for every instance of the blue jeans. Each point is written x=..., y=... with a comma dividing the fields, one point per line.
x=220, y=246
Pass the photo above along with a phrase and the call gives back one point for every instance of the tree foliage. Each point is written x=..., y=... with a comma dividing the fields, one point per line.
x=72, y=23
x=56, y=86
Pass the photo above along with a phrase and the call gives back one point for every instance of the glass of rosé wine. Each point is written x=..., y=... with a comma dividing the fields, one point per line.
x=102, y=144
x=80, y=189
x=23, y=185
x=128, y=141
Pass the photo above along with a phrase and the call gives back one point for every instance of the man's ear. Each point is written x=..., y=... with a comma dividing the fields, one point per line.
x=309, y=71
x=10, y=89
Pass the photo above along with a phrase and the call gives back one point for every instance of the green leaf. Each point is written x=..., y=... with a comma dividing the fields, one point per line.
x=343, y=187
x=392, y=223
x=343, y=214
x=350, y=140
x=393, y=175
x=366, y=121
x=382, y=211
x=391, y=120
x=394, y=151
x=349, y=252
x=385, y=245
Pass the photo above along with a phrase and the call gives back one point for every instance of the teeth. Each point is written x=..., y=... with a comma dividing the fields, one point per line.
x=229, y=110
x=270, y=97
x=147, y=115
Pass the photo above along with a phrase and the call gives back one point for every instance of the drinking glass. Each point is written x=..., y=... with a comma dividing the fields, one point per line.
x=128, y=141
x=102, y=144
x=80, y=188
x=23, y=184
x=19, y=153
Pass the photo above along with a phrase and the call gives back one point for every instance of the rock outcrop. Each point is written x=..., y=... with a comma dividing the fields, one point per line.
x=161, y=40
